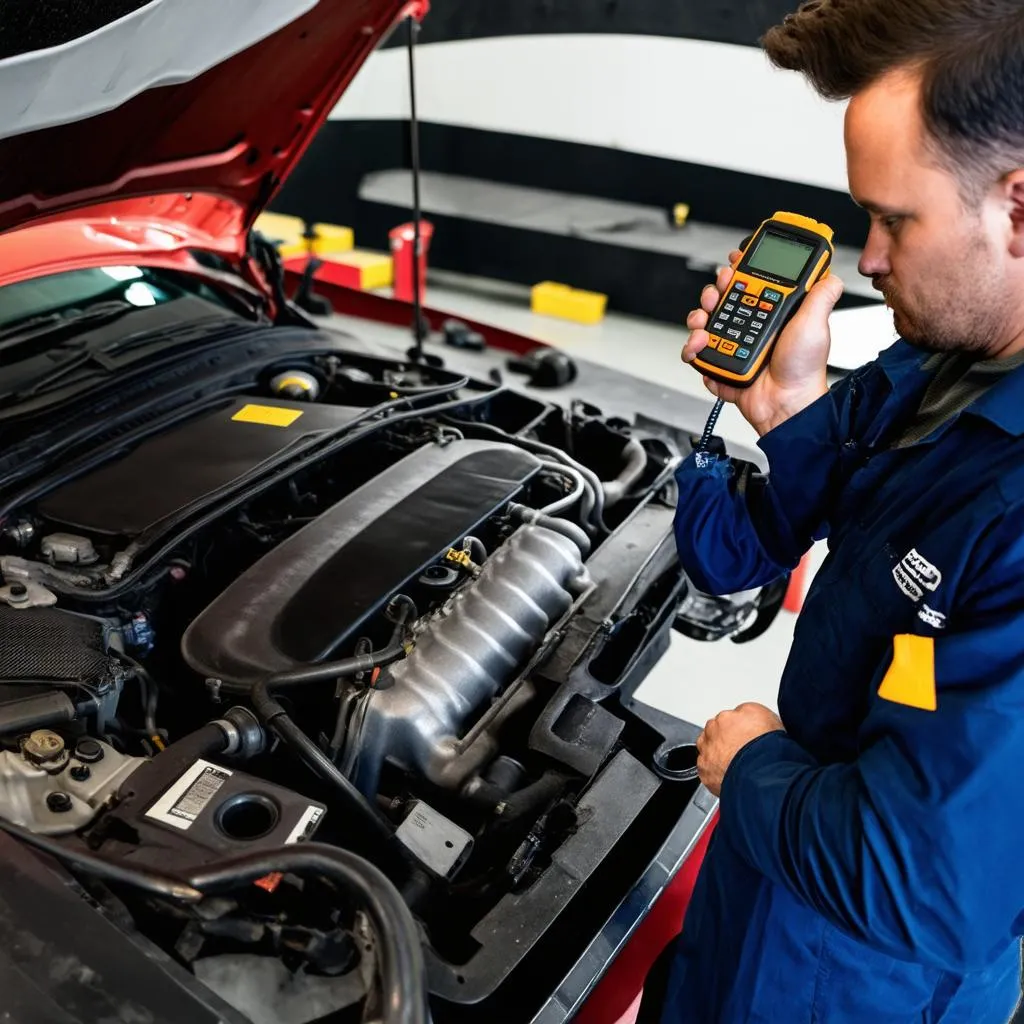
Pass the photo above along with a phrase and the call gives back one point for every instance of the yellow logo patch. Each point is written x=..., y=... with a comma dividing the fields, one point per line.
x=911, y=676
x=267, y=415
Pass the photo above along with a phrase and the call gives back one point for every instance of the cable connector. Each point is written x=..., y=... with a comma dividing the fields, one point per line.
x=461, y=558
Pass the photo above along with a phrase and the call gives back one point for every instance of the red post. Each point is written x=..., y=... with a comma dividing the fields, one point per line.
x=402, y=245
x=794, y=600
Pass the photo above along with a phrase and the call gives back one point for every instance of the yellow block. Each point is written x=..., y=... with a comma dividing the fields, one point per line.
x=553, y=299
x=283, y=231
x=332, y=238
x=911, y=676
x=363, y=268
x=267, y=415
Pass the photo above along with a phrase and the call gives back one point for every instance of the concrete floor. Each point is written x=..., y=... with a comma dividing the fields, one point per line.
x=695, y=680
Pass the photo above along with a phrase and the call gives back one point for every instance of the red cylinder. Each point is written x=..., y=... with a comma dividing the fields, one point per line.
x=402, y=245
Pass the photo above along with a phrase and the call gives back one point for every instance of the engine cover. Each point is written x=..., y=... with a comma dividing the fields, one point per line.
x=311, y=594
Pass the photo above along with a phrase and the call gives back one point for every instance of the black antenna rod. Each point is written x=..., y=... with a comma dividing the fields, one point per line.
x=416, y=352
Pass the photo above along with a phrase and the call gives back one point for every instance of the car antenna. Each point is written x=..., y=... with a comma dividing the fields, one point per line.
x=419, y=325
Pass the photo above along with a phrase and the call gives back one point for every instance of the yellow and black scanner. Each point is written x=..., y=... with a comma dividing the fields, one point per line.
x=784, y=259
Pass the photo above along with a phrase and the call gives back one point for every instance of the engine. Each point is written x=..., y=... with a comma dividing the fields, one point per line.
x=408, y=630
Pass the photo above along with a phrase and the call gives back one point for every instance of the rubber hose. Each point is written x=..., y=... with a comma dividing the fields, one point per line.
x=636, y=462
x=399, y=953
x=570, y=499
x=562, y=526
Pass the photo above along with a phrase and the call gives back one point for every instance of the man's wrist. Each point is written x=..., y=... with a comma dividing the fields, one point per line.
x=786, y=410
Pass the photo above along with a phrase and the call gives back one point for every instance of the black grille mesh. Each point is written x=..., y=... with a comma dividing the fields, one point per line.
x=49, y=644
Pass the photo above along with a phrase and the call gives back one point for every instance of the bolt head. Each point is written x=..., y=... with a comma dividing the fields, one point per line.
x=80, y=772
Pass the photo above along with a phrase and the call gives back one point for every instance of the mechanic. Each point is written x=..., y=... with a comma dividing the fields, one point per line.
x=867, y=863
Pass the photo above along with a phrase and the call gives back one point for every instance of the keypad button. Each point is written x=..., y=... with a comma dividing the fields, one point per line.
x=743, y=353
x=744, y=312
x=712, y=342
x=740, y=286
x=739, y=321
x=733, y=333
x=771, y=295
x=718, y=325
x=750, y=339
x=756, y=325
x=734, y=296
x=749, y=300
x=769, y=306
x=761, y=316
x=729, y=307
x=727, y=348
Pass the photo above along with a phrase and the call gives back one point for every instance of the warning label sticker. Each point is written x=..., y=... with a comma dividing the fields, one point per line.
x=188, y=797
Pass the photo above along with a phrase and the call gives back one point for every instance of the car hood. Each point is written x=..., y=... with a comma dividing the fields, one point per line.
x=183, y=117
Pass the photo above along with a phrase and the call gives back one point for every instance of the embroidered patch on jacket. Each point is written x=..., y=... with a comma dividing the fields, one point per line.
x=914, y=574
x=911, y=676
x=931, y=617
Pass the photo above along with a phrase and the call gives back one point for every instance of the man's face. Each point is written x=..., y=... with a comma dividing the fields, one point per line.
x=941, y=266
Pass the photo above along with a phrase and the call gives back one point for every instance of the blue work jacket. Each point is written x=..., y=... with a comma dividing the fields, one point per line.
x=869, y=861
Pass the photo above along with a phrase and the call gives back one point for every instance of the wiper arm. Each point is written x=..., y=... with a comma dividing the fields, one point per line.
x=47, y=323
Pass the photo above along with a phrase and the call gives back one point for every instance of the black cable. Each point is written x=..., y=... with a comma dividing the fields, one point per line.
x=417, y=215
x=280, y=723
x=399, y=953
x=709, y=427
x=154, y=882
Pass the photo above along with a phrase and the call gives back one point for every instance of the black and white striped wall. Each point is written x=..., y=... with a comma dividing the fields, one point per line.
x=653, y=102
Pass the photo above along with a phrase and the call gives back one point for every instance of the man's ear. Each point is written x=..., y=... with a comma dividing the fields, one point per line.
x=1014, y=184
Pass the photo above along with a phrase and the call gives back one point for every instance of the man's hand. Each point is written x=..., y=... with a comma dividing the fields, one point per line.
x=796, y=375
x=725, y=735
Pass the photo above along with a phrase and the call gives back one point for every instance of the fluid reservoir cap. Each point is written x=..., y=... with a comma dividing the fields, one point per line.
x=89, y=751
x=297, y=385
x=43, y=745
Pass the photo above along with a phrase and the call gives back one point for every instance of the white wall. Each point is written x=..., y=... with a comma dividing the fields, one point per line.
x=708, y=103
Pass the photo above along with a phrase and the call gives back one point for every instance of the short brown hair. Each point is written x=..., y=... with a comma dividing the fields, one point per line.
x=970, y=54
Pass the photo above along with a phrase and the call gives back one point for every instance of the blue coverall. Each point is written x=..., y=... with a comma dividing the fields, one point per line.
x=869, y=861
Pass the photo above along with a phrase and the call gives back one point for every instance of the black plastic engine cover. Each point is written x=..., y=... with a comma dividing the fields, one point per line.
x=305, y=599
x=167, y=473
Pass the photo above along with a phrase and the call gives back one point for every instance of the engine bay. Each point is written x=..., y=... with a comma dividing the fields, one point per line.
x=381, y=608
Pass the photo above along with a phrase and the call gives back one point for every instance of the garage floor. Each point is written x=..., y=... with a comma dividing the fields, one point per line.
x=695, y=680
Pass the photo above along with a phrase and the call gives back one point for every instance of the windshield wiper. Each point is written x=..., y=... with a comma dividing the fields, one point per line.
x=103, y=363
x=47, y=323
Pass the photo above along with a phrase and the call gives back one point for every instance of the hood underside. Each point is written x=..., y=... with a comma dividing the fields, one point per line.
x=179, y=96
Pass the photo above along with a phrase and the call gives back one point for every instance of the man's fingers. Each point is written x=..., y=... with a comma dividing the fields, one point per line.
x=723, y=278
x=697, y=319
x=735, y=256
x=695, y=344
x=709, y=297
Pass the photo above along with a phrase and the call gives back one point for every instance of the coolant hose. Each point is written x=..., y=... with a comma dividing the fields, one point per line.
x=579, y=491
x=530, y=515
x=635, y=458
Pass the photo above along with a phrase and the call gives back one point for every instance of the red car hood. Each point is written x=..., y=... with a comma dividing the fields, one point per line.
x=170, y=128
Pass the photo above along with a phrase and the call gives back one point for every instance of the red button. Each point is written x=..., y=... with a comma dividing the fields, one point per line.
x=765, y=305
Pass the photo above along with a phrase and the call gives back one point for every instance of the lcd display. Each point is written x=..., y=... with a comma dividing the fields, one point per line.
x=781, y=257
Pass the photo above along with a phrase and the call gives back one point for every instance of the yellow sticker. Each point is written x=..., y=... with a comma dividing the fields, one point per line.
x=911, y=676
x=267, y=415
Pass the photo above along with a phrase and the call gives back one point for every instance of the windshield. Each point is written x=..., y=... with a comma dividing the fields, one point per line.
x=75, y=291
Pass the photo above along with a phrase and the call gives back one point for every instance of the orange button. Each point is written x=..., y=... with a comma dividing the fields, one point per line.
x=765, y=305
x=727, y=348
x=749, y=300
x=712, y=341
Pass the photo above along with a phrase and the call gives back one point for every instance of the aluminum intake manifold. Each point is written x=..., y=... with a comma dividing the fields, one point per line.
x=466, y=654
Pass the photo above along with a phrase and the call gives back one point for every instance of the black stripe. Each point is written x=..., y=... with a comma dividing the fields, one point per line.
x=721, y=21
x=326, y=183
